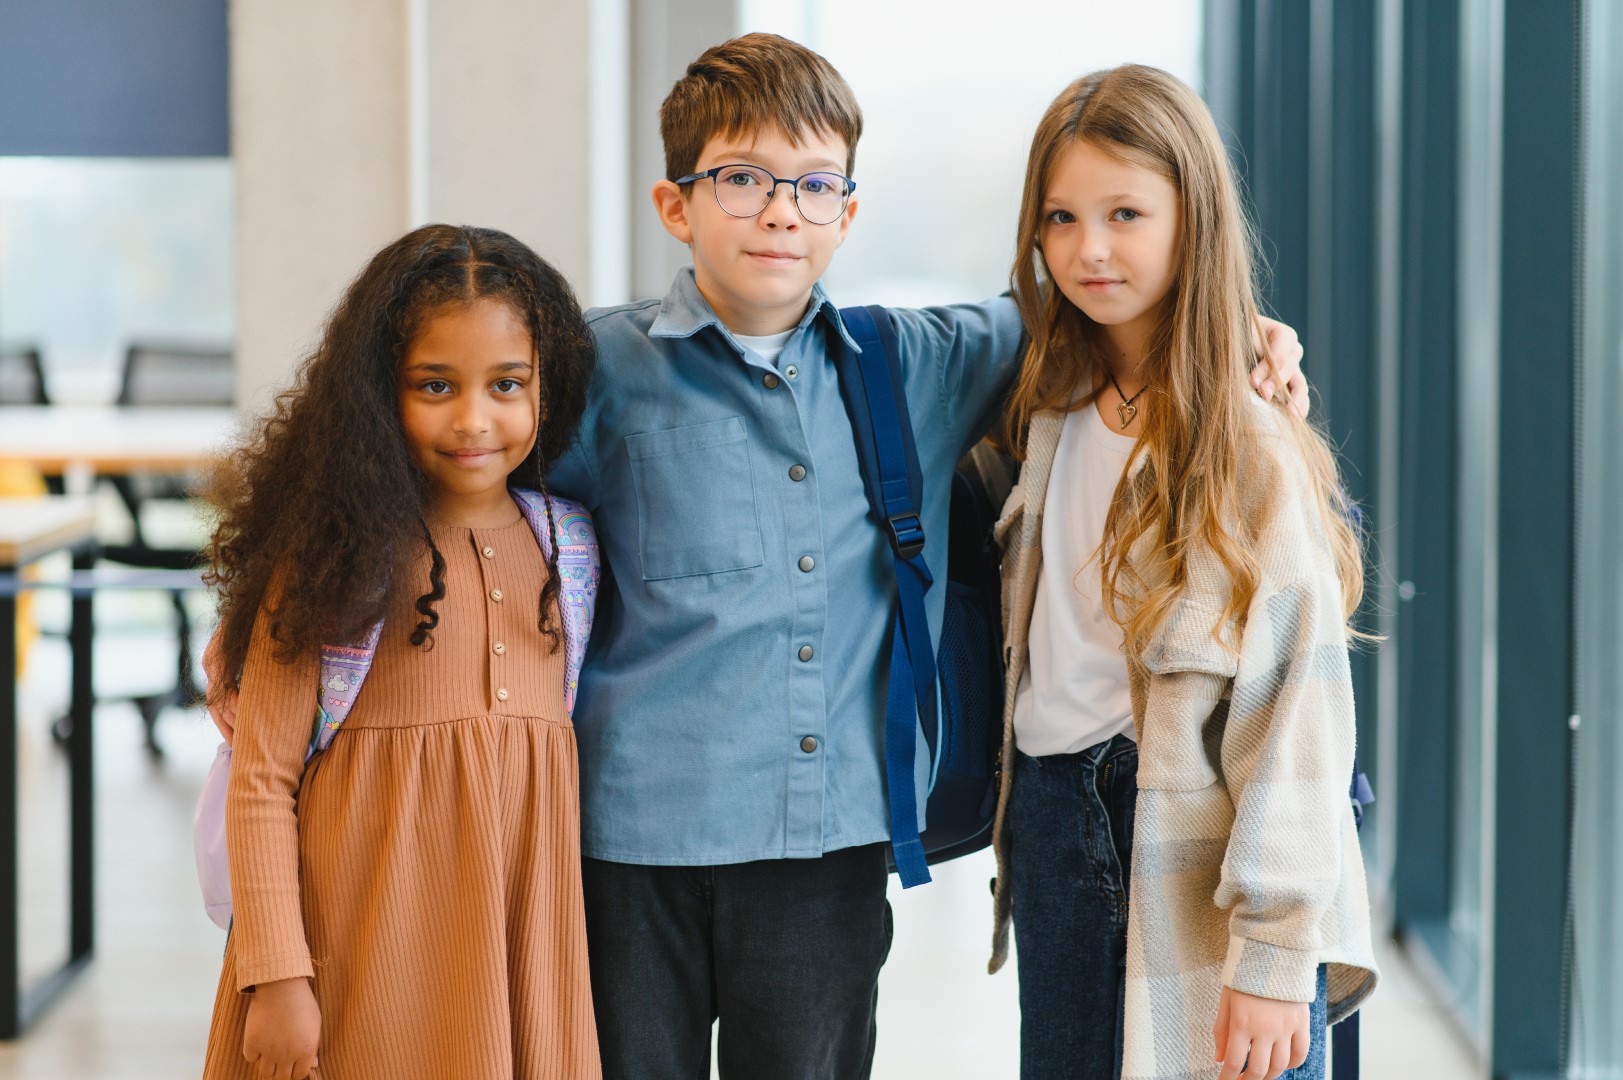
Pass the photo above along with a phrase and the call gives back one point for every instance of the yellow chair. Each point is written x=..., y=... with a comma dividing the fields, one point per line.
x=22, y=479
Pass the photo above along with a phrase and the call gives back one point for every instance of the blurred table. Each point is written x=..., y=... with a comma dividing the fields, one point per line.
x=82, y=442
x=30, y=529
x=111, y=440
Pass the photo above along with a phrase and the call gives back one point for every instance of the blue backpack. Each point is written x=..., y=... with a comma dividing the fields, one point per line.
x=955, y=696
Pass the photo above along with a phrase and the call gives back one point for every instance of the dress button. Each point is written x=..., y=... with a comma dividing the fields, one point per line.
x=791, y=371
x=487, y=551
x=806, y=652
x=797, y=472
x=499, y=648
x=770, y=382
x=808, y=744
x=807, y=563
x=501, y=695
x=496, y=595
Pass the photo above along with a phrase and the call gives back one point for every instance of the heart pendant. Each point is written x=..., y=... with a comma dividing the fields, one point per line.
x=1126, y=410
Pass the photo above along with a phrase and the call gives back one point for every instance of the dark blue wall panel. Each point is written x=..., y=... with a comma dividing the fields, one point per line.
x=114, y=78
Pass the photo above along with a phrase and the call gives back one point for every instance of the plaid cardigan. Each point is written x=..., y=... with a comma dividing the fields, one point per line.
x=1246, y=870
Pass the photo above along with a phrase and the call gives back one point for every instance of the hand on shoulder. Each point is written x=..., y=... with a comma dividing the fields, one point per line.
x=1280, y=366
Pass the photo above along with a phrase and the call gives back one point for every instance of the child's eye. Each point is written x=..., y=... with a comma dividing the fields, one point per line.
x=1060, y=217
x=508, y=386
x=817, y=185
x=435, y=386
x=1125, y=214
x=739, y=178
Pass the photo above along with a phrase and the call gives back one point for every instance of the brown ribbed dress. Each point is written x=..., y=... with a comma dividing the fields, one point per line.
x=427, y=875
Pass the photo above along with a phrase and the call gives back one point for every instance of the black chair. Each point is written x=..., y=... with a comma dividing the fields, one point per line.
x=169, y=376
x=156, y=374
x=22, y=377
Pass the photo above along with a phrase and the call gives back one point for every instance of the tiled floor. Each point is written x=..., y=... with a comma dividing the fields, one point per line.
x=141, y=1012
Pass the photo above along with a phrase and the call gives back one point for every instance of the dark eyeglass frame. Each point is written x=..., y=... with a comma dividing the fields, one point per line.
x=794, y=189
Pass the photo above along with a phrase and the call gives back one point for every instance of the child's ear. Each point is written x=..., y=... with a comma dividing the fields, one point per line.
x=672, y=207
x=848, y=217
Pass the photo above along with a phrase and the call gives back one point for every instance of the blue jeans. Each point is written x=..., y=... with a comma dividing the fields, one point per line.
x=1070, y=857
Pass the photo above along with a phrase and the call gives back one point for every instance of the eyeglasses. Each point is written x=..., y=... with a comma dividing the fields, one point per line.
x=744, y=191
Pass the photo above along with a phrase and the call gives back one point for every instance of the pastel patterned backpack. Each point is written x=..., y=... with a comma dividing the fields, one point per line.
x=344, y=669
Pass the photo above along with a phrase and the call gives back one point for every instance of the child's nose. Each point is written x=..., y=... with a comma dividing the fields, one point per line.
x=1095, y=246
x=471, y=416
x=780, y=209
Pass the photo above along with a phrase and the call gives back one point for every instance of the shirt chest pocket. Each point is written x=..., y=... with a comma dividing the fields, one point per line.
x=695, y=500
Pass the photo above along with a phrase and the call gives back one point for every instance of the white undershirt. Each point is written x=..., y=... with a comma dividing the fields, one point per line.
x=1073, y=692
x=768, y=347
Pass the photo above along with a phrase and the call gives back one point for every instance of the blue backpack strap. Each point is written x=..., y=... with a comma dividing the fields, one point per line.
x=871, y=385
x=1344, y=1053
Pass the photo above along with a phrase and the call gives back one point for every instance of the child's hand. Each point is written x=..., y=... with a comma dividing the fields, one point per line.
x=1273, y=1034
x=1280, y=366
x=221, y=697
x=284, y=1026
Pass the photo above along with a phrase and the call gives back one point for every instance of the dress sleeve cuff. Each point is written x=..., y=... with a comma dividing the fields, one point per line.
x=253, y=972
x=1271, y=971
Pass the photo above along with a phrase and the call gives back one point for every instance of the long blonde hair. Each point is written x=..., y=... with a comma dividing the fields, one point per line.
x=1181, y=488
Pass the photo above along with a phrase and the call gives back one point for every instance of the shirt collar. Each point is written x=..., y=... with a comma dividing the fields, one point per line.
x=685, y=311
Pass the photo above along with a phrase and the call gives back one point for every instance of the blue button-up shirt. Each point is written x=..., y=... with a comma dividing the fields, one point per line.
x=732, y=703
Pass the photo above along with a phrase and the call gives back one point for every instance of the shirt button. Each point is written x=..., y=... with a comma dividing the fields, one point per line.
x=797, y=472
x=770, y=382
x=496, y=595
x=487, y=551
x=807, y=563
x=806, y=652
x=808, y=744
x=791, y=371
x=501, y=695
x=499, y=648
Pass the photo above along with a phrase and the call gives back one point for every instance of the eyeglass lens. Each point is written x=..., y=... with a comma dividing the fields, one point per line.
x=744, y=191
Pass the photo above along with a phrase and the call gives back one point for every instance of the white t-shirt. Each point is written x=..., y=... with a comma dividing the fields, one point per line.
x=1073, y=692
x=768, y=347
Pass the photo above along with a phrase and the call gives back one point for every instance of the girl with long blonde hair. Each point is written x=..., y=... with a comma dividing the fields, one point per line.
x=1176, y=845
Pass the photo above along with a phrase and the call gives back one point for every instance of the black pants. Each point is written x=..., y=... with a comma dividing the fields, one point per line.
x=785, y=952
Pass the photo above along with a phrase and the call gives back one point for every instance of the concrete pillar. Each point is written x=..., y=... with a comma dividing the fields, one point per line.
x=354, y=122
x=320, y=139
x=666, y=36
x=508, y=135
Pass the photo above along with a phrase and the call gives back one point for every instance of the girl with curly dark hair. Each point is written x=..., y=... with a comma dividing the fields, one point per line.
x=408, y=902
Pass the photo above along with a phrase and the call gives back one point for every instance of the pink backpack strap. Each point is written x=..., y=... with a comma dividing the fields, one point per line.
x=344, y=667
x=343, y=670
x=580, y=573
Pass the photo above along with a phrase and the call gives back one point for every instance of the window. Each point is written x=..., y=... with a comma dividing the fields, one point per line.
x=950, y=96
x=96, y=252
x=1596, y=1047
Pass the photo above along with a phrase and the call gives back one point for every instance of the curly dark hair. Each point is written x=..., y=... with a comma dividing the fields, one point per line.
x=333, y=558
